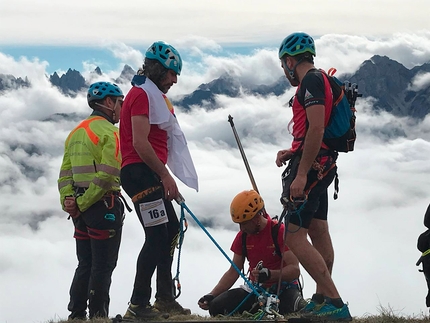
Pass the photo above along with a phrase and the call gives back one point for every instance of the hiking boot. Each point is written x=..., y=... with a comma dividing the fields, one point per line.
x=80, y=315
x=141, y=311
x=172, y=307
x=329, y=312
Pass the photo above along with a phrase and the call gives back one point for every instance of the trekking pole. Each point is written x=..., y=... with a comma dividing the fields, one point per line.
x=248, y=169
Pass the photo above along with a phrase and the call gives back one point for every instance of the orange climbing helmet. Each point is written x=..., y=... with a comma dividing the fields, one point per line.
x=245, y=206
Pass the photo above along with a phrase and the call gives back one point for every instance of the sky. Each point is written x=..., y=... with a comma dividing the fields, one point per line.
x=73, y=32
x=384, y=186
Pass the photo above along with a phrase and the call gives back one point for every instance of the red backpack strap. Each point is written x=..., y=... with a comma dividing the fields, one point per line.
x=331, y=71
x=244, y=251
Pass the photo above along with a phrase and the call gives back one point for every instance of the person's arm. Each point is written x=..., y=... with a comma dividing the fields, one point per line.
x=65, y=180
x=283, y=156
x=140, y=132
x=226, y=281
x=229, y=277
x=289, y=272
x=315, y=115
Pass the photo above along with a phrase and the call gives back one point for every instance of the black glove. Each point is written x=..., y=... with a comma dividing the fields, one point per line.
x=263, y=275
x=206, y=299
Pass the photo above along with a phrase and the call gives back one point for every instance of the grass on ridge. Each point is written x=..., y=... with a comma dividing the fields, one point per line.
x=386, y=315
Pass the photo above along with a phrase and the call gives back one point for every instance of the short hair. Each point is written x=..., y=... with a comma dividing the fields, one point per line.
x=304, y=57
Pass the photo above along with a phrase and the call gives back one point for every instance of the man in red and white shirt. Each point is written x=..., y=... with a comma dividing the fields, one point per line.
x=149, y=138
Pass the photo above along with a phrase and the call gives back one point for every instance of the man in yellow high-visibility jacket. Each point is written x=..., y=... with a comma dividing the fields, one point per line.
x=90, y=192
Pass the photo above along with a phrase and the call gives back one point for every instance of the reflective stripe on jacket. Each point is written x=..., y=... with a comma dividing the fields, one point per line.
x=91, y=160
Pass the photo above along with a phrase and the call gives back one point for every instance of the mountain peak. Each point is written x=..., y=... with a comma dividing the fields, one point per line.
x=126, y=75
x=70, y=83
x=10, y=82
x=97, y=71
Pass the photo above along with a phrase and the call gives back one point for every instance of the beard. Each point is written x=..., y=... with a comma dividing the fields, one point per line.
x=164, y=87
x=293, y=81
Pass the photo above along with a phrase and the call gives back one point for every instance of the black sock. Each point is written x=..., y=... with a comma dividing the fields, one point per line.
x=318, y=298
x=335, y=301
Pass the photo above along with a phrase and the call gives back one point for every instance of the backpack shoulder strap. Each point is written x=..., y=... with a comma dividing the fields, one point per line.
x=335, y=84
x=275, y=232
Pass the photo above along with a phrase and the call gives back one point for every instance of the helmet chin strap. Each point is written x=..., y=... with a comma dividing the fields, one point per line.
x=292, y=72
x=106, y=107
x=103, y=106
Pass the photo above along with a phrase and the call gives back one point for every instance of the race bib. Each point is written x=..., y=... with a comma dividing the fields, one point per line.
x=153, y=213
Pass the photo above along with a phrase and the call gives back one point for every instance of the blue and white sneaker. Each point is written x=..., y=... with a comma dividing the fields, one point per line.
x=311, y=305
x=329, y=312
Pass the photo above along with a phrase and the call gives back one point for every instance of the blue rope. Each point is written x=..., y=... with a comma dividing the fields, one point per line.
x=293, y=210
x=184, y=206
x=181, y=237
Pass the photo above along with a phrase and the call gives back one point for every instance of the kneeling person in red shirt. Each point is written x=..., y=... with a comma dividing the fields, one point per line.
x=255, y=242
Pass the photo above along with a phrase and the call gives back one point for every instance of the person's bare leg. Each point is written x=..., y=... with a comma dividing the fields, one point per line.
x=321, y=240
x=310, y=258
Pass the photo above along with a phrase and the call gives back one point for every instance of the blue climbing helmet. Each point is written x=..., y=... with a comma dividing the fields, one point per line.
x=166, y=54
x=297, y=43
x=100, y=90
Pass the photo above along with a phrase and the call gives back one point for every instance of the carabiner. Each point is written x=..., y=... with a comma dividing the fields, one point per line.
x=176, y=288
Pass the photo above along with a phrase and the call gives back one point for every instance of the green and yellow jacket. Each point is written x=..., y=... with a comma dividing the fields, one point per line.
x=91, y=161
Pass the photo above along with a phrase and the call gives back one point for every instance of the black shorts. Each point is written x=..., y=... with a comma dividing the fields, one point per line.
x=316, y=204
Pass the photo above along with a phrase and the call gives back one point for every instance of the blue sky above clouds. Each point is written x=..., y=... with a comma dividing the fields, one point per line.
x=61, y=32
x=384, y=188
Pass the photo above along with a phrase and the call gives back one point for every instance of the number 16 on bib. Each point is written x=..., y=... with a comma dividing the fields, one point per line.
x=153, y=213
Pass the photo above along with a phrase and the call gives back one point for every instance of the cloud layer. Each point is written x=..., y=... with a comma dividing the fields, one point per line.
x=241, y=22
x=375, y=223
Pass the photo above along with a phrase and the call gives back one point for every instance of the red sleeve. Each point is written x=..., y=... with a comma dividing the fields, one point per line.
x=140, y=104
x=236, y=246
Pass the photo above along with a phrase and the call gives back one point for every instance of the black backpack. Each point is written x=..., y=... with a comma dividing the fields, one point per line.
x=274, y=231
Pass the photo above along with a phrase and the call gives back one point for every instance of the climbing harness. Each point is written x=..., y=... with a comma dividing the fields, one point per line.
x=144, y=193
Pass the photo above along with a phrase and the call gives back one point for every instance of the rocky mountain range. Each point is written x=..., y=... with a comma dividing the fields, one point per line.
x=389, y=82
x=380, y=77
x=8, y=82
x=71, y=82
